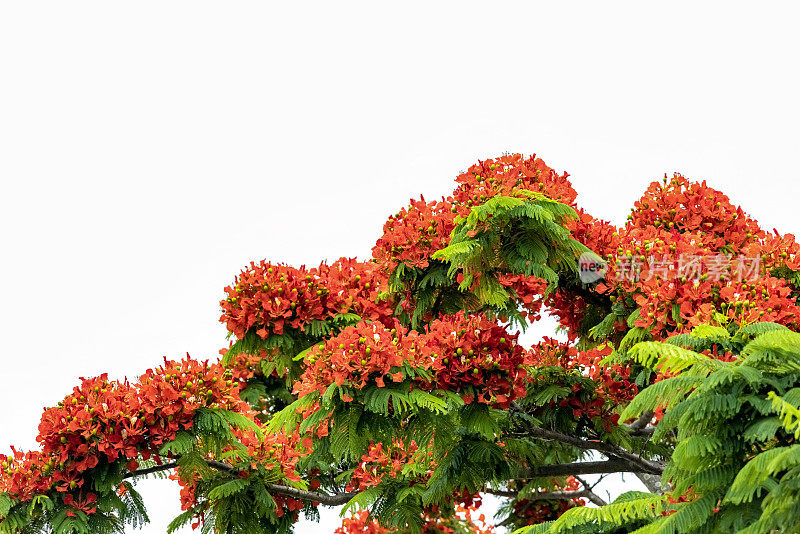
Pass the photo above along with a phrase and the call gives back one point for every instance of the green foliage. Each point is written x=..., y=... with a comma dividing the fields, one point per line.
x=732, y=424
x=629, y=511
x=503, y=235
x=114, y=512
x=512, y=232
x=788, y=412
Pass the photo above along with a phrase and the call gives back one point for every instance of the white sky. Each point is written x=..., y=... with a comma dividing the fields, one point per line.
x=149, y=150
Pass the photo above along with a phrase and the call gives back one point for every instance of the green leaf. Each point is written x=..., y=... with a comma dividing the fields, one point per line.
x=228, y=488
x=6, y=503
x=183, y=443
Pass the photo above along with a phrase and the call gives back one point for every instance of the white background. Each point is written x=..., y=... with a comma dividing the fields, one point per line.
x=149, y=150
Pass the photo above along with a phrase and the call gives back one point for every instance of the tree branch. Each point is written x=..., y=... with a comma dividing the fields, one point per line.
x=642, y=464
x=642, y=426
x=609, y=449
x=642, y=421
x=336, y=499
x=149, y=470
x=615, y=465
x=651, y=482
x=591, y=495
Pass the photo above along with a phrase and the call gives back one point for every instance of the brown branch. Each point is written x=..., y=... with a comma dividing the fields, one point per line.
x=149, y=470
x=590, y=494
x=646, y=432
x=337, y=499
x=323, y=498
x=615, y=465
x=609, y=449
x=651, y=482
x=642, y=421
x=637, y=463
x=641, y=426
x=642, y=464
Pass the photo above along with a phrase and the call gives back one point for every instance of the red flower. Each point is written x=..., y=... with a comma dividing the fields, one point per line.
x=359, y=354
x=270, y=297
x=83, y=504
x=476, y=356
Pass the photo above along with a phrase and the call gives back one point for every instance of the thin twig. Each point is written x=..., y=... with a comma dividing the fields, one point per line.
x=591, y=495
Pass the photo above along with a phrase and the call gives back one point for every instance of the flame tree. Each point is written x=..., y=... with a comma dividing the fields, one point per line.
x=398, y=388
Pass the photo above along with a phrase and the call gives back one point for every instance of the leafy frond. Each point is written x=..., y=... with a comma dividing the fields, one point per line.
x=788, y=412
x=753, y=477
x=669, y=358
x=666, y=393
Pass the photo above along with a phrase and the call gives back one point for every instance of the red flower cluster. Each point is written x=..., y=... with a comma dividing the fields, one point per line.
x=764, y=299
x=528, y=291
x=672, y=223
x=469, y=354
x=611, y=385
x=245, y=366
x=287, y=505
x=360, y=523
x=187, y=491
x=414, y=234
x=360, y=353
x=25, y=474
x=569, y=309
x=171, y=394
x=269, y=297
x=684, y=206
x=115, y=421
x=599, y=235
x=83, y=504
x=272, y=451
x=509, y=174
x=476, y=357
x=780, y=251
x=379, y=463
